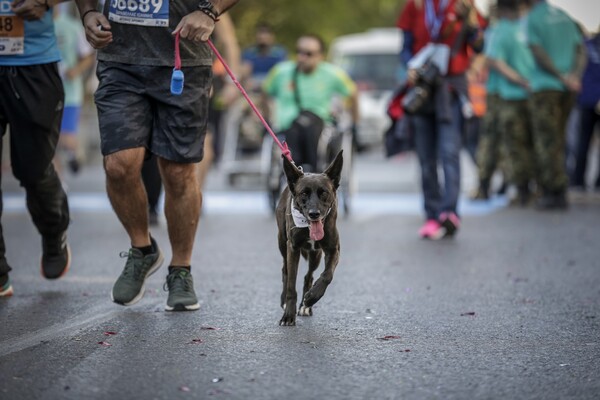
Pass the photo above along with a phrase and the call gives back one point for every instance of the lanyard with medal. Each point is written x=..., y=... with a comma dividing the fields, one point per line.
x=434, y=20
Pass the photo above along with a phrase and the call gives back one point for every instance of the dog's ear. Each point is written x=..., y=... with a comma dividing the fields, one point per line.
x=292, y=173
x=334, y=171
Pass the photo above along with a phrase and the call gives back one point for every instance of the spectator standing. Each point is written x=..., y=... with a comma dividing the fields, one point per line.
x=450, y=30
x=589, y=109
x=135, y=65
x=258, y=59
x=558, y=49
x=31, y=105
x=77, y=57
x=489, y=147
x=511, y=56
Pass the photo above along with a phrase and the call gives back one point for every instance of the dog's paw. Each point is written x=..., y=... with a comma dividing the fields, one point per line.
x=315, y=293
x=312, y=296
x=305, y=311
x=287, y=320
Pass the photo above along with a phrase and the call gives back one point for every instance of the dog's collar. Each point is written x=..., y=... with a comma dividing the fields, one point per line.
x=299, y=219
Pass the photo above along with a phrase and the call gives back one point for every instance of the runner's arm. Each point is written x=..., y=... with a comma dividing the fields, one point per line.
x=199, y=25
x=32, y=10
x=97, y=27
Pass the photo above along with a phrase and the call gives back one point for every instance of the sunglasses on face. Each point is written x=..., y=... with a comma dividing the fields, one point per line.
x=306, y=53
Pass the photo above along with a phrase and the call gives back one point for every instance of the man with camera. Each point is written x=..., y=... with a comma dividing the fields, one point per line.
x=439, y=38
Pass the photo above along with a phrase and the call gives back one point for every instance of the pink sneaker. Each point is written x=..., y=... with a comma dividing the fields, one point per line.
x=450, y=221
x=432, y=230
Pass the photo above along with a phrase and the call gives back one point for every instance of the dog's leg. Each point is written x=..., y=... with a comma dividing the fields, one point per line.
x=314, y=259
x=318, y=289
x=284, y=272
x=289, y=313
x=284, y=276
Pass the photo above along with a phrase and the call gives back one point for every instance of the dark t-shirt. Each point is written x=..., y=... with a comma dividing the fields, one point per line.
x=142, y=33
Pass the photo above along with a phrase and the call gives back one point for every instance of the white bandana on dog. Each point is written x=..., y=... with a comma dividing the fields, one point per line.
x=299, y=219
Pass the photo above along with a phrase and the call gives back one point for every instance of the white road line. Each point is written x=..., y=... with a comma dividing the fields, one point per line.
x=63, y=329
x=253, y=203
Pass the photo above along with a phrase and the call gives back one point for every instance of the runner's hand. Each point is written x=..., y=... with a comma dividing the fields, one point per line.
x=412, y=76
x=97, y=30
x=195, y=26
x=30, y=10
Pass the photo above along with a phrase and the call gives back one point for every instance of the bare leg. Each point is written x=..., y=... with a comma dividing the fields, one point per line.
x=183, y=200
x=127, y=194
x=207, y=159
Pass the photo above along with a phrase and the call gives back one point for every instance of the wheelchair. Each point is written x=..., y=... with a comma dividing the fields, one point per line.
x=333, y=138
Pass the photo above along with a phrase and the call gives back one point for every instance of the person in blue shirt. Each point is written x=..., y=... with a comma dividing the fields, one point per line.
x=31, y=105
x=259, y=58
x=588, y=102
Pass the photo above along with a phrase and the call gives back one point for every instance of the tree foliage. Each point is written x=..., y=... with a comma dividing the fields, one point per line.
x=327, y=18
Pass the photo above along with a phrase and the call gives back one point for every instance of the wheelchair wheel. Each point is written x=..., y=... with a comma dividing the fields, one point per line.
x=347, y=184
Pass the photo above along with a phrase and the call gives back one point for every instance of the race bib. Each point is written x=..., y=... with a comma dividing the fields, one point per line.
x=12, y=31
x=140, y=12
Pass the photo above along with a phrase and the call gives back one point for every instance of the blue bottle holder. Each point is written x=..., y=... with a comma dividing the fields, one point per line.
x=177, y=82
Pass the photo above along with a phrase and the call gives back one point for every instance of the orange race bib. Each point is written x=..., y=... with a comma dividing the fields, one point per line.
x=12, y=31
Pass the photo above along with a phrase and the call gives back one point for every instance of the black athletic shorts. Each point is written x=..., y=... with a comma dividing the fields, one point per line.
x=136, y=109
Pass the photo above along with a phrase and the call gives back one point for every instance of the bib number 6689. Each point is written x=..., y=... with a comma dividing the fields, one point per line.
x=137, y=5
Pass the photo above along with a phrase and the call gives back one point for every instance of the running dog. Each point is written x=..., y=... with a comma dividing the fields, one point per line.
x=307, y=222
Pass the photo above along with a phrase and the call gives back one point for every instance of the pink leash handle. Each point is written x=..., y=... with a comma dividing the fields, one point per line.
x=284, y=148
x=177, y=54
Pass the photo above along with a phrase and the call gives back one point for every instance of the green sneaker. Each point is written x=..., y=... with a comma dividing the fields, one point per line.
x=180, y=285
x=6, y=289
x=129, y=288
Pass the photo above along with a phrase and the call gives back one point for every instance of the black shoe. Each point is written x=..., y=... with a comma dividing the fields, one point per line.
x=480, y=194
x=153, y=218
x=552, y=201
x=524, y=195
x=74, y=165
x=56, y=256
x=502, y=189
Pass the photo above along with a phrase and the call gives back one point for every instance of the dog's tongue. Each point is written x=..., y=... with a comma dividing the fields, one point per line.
x=316, y=230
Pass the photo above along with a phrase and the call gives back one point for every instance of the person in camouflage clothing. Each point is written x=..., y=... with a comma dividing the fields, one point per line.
x=512, y=59
x=558, y=50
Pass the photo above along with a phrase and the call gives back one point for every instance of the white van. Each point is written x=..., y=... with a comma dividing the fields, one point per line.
x=372, y=59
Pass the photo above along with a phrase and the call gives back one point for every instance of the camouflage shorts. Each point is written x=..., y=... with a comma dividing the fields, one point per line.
x=136, y=109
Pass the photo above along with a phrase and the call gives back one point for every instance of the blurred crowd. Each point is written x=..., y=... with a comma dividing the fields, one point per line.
x=509, y=143
x=542, y=103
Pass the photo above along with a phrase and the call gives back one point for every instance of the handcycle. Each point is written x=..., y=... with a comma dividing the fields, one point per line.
x=334, y=137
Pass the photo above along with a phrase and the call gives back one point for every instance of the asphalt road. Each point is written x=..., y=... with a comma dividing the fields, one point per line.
x=509, y=309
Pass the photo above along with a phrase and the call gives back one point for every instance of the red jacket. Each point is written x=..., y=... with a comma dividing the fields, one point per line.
x=412, y=19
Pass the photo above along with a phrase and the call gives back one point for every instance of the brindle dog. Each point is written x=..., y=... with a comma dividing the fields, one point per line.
x=306, y=218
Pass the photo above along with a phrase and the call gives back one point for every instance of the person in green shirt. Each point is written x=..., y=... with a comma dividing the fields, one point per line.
x=557, y=46
x=489, y=147
x=308, y=83
x=511, y=57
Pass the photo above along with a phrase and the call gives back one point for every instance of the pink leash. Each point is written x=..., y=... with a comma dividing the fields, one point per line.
x=284, y=148
x=176, y=88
